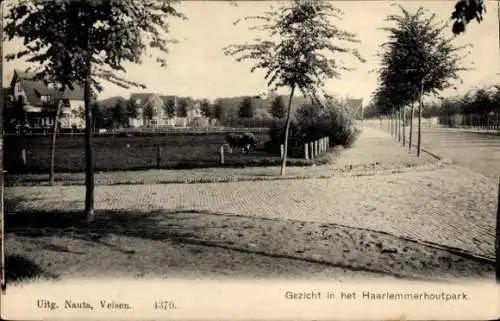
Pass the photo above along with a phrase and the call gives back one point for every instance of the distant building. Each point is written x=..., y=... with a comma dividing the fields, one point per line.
x=355, y=108
x=40, y=100
x=151, y=111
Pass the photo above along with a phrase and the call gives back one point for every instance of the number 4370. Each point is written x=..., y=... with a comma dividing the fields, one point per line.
x=164, y=305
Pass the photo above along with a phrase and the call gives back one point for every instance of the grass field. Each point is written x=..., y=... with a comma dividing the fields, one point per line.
x=182, y=151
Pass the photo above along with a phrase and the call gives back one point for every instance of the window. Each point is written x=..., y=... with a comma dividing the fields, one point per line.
x=44, y=98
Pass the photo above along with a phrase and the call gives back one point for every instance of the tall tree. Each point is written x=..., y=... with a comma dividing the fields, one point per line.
x=148, y=112
x=218, y=110
x=207, y=109
x=417, y=60
x=247, y=109
x=295, y=52
x=182, y=107
x=54, y=136
x=278, y=108
x=169, y=108
x=120, y=113
x=79, y=42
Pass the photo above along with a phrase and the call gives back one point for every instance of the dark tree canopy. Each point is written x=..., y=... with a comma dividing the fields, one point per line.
x=278, y=109
x=247, y=108
x=182, y=107
x=169, y=108
x=416, y=60
x=465, y=12
x=60, y=36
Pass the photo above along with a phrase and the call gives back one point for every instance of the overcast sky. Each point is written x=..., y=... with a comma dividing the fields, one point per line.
x=197, y=66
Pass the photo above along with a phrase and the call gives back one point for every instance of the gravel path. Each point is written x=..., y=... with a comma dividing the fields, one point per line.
x=451, y=206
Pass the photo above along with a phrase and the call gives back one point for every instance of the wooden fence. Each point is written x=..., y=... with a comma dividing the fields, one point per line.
x=480, y=123
x=159, y=130
x=314, y=148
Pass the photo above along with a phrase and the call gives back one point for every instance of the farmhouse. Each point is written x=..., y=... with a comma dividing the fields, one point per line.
x=37, y=102
x=355, y=108
x=153, y=111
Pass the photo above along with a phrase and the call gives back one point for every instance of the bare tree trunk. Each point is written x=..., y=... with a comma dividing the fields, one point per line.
x=53, y=149
x=399, y=125
x=419, y=137
x=287, y=129
x=393, y=123
x=411, y=125
x=89, y=159
x=404, y=126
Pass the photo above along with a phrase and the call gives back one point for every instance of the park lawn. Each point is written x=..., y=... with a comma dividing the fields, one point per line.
x=129, y=153
x=192, y=244
x=369, y=154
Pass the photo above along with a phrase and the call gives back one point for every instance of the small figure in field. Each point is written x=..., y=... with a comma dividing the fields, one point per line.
x=246, y=142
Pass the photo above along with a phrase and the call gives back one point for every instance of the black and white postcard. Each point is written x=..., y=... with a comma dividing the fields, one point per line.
x=250, y=160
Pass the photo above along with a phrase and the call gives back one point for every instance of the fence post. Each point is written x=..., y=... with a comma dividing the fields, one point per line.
x=306, y=151
x=222, y=155
x=158, y=156
x=312, y=150
x=282, y=151
x=23, y=156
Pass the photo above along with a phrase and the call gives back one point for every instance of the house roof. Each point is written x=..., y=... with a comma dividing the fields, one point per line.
x=34, y=89
x=354, y=103
x=142, y=96
x=168, y=98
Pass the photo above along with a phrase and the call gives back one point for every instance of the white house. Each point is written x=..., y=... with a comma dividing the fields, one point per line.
x=41, y=99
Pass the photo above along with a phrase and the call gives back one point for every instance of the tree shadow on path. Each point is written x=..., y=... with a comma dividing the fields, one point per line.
x=324, y=244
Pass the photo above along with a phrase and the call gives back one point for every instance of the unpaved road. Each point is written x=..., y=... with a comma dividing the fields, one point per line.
x=477, y=151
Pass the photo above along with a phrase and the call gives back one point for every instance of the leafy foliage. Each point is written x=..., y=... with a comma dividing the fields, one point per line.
x=207, y=109
x=465, y=12
x=182, y=107
x=120, y=114
x=416, y=60
x=148, y=111
x=314, y=121
x=247, y=108
x=297, y=51
x=298, y=44
x=278, y=108
x=60, y=35
x=169, y=108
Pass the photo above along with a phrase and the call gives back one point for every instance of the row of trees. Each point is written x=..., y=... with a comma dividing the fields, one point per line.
x=116, y=113
x=480, y=102
x=417, y=60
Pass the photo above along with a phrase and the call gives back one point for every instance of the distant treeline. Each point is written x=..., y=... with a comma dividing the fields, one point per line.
x=480, y=102
x=243, y=111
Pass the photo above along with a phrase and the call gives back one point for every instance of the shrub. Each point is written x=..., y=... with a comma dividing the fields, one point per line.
x=313, y=121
